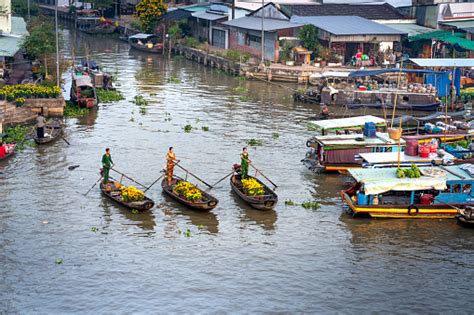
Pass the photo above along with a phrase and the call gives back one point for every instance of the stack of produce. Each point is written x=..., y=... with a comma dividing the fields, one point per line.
x=188, y=191
x=252, y=187
x=412, y=172
x=131, y=194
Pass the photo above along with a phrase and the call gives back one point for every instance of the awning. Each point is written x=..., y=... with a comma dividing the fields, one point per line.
x=444, y=62
x=411, y=29
x=345, y=123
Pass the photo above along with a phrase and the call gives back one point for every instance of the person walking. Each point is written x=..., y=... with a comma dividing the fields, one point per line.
x=107, y=164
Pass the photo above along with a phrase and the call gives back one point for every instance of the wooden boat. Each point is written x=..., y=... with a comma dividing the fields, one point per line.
x=83, y=91
x=51, y=133
x=149, y=43
x=10, y=150
x=266, y=202
x=207, y=202
x=112, y=191
x=436, y=194
x=465, y=217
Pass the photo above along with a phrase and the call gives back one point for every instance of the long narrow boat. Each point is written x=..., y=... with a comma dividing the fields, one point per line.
x=113, y=192
x=9, y=149
x=266, y=202
x=465, y=217
x=436, y=194
x=51, y=133
x=206, y=203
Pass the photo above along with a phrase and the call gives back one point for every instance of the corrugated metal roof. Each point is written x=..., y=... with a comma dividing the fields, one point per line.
x=410, y=28
x=9, y=46
x=255, y=23
x=443, y=62
x=209, y=16
x=346, y=25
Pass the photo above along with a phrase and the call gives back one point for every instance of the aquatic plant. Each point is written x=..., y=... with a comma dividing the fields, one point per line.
x=109, y=96
x=188, y=128
x=311, y=205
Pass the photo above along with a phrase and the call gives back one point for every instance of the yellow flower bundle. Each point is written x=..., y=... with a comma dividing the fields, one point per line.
x=252, y=187
x=188, y=191
x=131, y=194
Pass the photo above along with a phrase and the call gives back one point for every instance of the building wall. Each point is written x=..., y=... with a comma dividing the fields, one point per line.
x=5, y=16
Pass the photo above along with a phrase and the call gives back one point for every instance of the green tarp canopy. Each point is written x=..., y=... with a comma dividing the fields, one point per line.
x=445, y=36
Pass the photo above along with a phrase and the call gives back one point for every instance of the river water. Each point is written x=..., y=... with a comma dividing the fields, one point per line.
x=235, y=259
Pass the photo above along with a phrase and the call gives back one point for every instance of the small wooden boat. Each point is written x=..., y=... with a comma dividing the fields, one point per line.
x=465, y=217
x=113, y=192
x=207, y=202
x=51, y=133
x=146, y=42
x=266, y=202
x=9, y=149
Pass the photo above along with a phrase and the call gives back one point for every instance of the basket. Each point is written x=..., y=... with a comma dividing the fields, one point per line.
x=394, y=133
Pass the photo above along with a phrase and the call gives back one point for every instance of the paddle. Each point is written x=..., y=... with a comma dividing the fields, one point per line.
x=154, y=182
x=93, y=186
x=223, y=178
x=128, y=177
x=193, y=175
x=264, y=175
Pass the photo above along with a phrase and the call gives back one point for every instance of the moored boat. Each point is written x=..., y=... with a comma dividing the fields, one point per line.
x=146, y=42
x=112, y=191
x=51, y=132
x=205, y=203
x=267, y=201
x=465, y=217
x=436, y=194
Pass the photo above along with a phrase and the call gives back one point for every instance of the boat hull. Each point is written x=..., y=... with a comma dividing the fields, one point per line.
x=266, y=202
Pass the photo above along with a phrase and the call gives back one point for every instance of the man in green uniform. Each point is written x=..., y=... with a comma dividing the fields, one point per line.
x=106, y=165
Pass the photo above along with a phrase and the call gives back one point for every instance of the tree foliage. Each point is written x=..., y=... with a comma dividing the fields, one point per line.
x=149, y=13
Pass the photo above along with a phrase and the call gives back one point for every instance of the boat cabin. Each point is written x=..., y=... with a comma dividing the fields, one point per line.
x=437, y=193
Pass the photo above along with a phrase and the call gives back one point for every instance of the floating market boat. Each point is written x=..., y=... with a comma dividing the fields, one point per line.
x=267, y=201
x=83, y=91
x=206, y=203
x=51, y=133
x=465, y=217
x=9, y=150
x=146, y=42
x=436, y=194
x=112, y=190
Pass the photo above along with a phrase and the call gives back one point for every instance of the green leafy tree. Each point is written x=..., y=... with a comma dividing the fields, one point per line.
x=40, y=43
x=149, y=12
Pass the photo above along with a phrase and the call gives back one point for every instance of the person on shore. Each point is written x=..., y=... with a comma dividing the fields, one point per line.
x=170, y=162
x=244, y=163
x=40, y=123
x=107, y=164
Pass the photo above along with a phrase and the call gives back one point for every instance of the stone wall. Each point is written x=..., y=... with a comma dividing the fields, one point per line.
x=11, y=115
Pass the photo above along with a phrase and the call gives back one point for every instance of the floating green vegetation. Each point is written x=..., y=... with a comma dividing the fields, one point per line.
x=58, y=261
x=173, y=79
x=240, y=89
x=19, y=135
x=275, y=135
x=253, y=142
x=109, y=96
x=139, y=100
x=311, y=205
x=205, y=128
x=290, y=202
x=188, y=128
x=72, y=111
x=244, y=98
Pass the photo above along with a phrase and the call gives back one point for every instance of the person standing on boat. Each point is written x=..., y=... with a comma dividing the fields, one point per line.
x=244, y=163
x=107, y=164
x=170, y=162
x=40, y=123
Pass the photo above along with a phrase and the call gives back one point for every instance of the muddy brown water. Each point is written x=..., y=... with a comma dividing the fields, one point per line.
x=235, y=260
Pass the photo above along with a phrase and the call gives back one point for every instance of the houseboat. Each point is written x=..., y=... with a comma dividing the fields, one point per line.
x=437, y=194
x=82, y=91
x=146, y=42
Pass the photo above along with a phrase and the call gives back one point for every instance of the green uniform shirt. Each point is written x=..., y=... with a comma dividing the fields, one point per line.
x=107, y=161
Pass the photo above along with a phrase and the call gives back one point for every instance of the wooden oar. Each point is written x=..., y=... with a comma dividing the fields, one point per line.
x=154, y=182
x=93, y=186
x=264, y=175
x=128, y=177
x=193, y=175
x=223, y=178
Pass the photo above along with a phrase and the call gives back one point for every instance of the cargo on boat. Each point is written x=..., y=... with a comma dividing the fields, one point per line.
x=436, y=194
